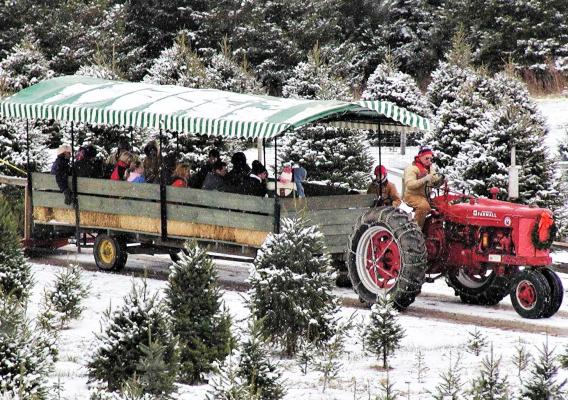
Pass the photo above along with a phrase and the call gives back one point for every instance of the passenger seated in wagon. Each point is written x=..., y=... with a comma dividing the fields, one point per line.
x=197, y=180
x=181, y=175
x=62, y=169
x=255, y=184
x=151, y=162
x=136, y=174
x=120, y=172
x=215, y=179
x=239, y=173
x=87, y=164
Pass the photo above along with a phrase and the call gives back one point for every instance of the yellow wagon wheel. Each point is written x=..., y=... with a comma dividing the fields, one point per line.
x=110, y=252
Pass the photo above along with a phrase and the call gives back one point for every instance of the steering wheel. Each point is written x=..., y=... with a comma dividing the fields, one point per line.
x=441, y=186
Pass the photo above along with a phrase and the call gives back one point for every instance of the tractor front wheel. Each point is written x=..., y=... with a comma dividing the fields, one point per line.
x=110, y=252
x=387, y=255
x=531, y=294
x=486, y=289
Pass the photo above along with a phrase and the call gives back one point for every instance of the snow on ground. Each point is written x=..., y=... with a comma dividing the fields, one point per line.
x=360, y=374
x=555, y=110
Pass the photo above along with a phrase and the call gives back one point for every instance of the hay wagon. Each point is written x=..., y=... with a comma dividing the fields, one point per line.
x=154, y=218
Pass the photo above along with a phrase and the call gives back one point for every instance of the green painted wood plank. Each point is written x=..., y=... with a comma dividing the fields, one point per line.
x=119, y=206
x=336, y=250
x=49, y=199
x=330, y=217
x=222, y=200
x=107, y=187
x=42, y=181
x=337, y=240
x=234, y=219
x=329, y=202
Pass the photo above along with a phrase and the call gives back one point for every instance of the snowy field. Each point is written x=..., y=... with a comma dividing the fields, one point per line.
x=360, y=373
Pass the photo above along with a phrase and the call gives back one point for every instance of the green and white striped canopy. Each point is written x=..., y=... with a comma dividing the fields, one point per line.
x=193, y=111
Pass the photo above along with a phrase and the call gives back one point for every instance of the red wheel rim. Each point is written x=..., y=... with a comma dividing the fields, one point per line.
x=526, y=294
x=383, y=259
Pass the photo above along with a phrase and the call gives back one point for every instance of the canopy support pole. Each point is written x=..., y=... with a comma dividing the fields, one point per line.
x=276, y=199
x=260, y=148
x=264, y=151
x=28, y=201
x=381, y=200
x=75, y=197
x=163, y=204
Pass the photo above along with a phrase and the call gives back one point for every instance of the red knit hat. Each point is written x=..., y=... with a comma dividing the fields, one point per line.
x=424, y=150
x=380, y=169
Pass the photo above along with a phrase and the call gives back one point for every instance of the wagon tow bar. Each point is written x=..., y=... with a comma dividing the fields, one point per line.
x=431, y=279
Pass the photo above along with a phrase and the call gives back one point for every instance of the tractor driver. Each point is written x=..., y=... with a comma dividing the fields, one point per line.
x=416, y=176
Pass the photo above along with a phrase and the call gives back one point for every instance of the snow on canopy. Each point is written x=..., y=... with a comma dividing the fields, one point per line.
x=193, y=111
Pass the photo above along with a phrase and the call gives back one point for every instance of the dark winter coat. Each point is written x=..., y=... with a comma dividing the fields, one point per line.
x=119, y=171
x=237, y=177
x=198, y=179
x=61, y=168
x=89, y=168
x=254, y=187
x=214, y=181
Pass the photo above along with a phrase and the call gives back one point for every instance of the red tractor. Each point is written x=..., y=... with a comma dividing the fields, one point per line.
x=485, y=249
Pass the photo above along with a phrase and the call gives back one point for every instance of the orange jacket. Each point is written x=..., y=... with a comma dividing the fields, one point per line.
x=389, y=193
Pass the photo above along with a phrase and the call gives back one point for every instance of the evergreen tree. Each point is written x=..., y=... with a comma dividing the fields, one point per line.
x=228, y=384
x=327, y=358
x=198, y=319
x=15, y=271
x=383, y=332
x=23, y=67
x=258, y=372
x=178, y=65
x=335, y=155
x=67, y=294
x=224, y=73
x=118, y=350
x=521, y=358
x=313, y=80
x=291, y=286
x=451, y=386
x=490, y=385
x=27, y=353
x=387, y=389
x=476, y=342
x=543, y=381
x=420, y=366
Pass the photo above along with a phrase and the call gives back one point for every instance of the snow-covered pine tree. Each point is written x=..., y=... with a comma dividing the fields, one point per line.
x=66, y=296
x=15, y=271
x=225, y=73
x=476, y=342
x=451, y=386
x=383, y=332
x=387, y=83
x=199, y=320
x=117, y=351
x=335, y=155
x=489, y=384
x=178, y=65
x=27, y=354
x=543, y=383
x=259, y=373
x=313, y=80
x=23, y=67
x=291, y=286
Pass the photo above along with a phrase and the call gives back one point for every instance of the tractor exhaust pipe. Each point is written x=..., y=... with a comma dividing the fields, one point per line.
x=513, y=176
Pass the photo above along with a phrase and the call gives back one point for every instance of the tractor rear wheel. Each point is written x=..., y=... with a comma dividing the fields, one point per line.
x=531, y=294
x=480, y=289
x=387, y=255
x=110, y=252
x=557, y=291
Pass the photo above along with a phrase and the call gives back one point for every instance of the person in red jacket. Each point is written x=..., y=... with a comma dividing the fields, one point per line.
x=120, y=169
x=181, y=175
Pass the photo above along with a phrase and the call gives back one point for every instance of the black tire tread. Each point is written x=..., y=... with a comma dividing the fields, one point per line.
x=495, y=291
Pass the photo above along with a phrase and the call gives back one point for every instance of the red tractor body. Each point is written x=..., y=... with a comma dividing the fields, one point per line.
x=480, y=233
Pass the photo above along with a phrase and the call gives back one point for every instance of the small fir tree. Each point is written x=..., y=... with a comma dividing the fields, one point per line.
x=199, y=319
x=27, y=353
x=67, y=294
x=383, y=332
x=15, y=271
x=420, y=366
x=327, y=360
x=291, y=286
x=521, y=358
x=476, y=342
x=490, y=385
x=258, y=372
x=118, y=350
x=542, y=383
x=305, y=356
x=451, y=386
x=228, y=384
x=388, y=392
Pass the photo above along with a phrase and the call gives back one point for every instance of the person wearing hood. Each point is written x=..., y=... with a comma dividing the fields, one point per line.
x=152, y=162
x=238, y=175
x=385, y=191
x=61, y=168
x=87, y=165
x=255, y=184
x=416, y=176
